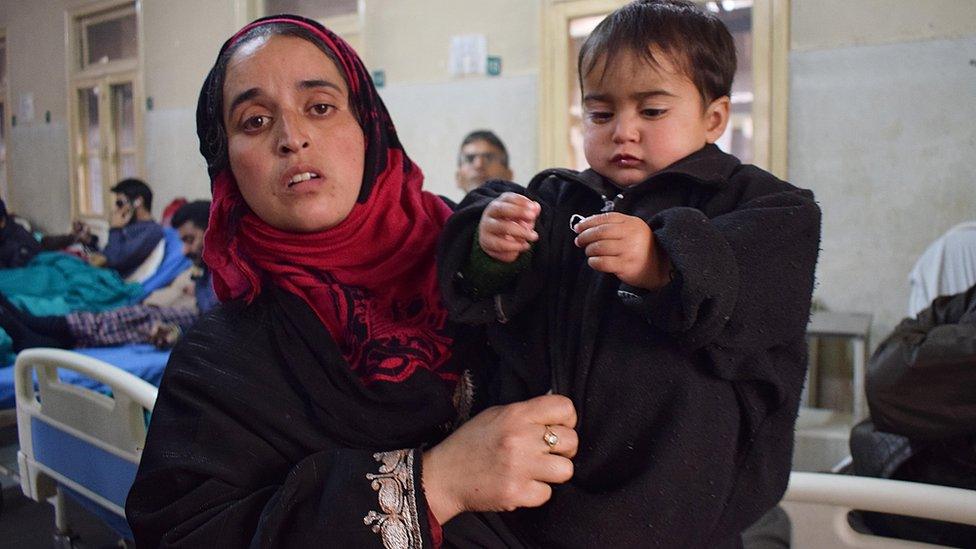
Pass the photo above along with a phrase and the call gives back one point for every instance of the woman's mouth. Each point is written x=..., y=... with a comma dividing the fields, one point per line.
x=302, y=177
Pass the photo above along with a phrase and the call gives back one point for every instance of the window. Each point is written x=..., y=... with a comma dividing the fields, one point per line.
x=757, y=128
x=737, y=16
x=109, y=36
x=106, y=123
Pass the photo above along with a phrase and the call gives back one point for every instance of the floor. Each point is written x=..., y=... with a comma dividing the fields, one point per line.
x=26, y=524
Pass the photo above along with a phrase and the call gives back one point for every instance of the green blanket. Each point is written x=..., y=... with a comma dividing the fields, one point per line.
x=55, y=283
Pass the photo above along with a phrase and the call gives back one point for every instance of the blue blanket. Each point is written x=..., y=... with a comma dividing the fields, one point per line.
x=54, y=283
x=142, y=360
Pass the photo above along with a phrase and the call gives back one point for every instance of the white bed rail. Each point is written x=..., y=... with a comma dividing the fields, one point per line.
x=111, y=425
x=818, y=505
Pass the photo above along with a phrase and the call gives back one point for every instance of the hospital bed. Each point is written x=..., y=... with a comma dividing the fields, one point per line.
x=79, y=439
x=818, y=505
x=144, y=361
x=141, y=360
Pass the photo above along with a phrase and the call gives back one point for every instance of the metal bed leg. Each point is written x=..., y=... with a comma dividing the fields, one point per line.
x=63, y=537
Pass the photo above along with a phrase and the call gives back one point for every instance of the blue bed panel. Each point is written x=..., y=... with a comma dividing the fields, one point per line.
x=100, y=471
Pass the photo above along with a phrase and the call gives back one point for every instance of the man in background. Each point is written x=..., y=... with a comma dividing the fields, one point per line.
x=17, y=246
x=133, y=232
x=482, y=157
x=191, y=221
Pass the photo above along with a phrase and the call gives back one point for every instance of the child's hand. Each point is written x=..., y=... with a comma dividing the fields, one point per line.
x=507, y=226
x=624, y=245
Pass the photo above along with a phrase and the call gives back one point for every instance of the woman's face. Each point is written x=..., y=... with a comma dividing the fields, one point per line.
x=293, y=142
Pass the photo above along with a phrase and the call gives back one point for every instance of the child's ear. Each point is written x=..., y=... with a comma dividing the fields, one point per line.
x=716, y=118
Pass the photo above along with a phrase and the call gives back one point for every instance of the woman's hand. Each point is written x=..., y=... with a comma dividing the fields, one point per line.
x=625, y=246
x=507, y=226
x=499, y=460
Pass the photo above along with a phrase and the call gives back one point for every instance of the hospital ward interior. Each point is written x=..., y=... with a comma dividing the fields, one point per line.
x=868, y=104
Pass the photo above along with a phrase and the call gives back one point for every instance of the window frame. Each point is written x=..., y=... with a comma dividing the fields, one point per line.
x=5, y=120
x=770, y=107
x=89, y=17
x=102, y=76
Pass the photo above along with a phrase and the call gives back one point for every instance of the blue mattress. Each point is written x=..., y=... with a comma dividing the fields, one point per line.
x=142, y=360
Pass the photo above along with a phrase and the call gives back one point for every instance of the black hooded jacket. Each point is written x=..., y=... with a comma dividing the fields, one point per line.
x=687, y=395
x=17, y=246
x=921, y=389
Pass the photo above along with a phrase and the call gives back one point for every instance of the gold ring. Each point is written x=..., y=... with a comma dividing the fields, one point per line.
x=550, y=438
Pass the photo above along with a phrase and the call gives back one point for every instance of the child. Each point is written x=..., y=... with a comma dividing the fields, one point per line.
x=666, y=290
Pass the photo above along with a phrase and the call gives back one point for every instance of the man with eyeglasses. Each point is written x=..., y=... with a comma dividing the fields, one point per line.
x=133, y=232
x=482, y=157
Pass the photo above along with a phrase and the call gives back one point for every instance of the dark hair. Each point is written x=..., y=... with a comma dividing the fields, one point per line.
x=489, y=137
x=697, y=42
x=217, y=138
x=3, y=210
x=135, y=188
x=196, y=212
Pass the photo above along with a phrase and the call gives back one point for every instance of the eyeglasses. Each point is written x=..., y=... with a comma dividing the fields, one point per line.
x=487, y=157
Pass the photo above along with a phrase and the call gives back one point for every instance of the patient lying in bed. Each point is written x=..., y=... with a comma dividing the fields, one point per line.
x=138, y=323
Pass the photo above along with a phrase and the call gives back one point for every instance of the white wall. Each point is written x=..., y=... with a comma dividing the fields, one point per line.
x=409, y=40
x=37, y=151
x=181, y=39
x=432, y=119
x=882, y=103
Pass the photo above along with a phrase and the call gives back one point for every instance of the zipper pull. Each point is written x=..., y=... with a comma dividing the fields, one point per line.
x=609, y=205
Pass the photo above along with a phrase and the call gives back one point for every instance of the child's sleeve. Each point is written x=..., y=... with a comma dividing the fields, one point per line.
x=742, y=281
x=476, y=288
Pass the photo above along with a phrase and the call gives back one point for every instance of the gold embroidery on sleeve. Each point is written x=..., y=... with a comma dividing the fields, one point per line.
x=397, y=522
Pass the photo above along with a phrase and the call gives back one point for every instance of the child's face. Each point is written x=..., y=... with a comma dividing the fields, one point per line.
x=638, y=119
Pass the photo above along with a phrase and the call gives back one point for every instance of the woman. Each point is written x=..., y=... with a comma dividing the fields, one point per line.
x=310, y=408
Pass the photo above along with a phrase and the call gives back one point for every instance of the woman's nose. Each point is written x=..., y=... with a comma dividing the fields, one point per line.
x=292, y=136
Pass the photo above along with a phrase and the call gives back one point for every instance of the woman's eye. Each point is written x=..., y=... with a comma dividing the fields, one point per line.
x=322, y=109
x=255, y=123
x=599, y=116
x=653, y=113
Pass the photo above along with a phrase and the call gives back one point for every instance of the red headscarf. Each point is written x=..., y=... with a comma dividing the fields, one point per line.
x=371, y=279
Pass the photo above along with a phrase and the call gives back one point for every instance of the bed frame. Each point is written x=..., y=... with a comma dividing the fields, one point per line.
x=79, y=441
x=818, y=504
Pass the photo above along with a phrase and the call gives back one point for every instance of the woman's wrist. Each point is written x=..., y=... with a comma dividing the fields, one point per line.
x=440, y=500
